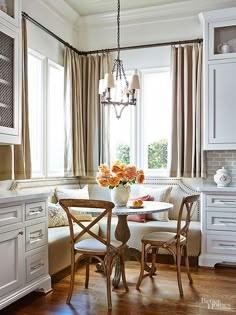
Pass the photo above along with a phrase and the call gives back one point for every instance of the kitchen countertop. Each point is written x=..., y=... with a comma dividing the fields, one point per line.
x=214, y=188
x=11, y=196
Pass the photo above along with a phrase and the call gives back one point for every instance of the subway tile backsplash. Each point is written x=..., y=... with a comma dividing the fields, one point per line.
x=217, y=159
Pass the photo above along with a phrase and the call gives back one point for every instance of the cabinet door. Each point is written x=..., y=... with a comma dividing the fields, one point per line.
x=11, y=257
x=10, y=10
x=221, y=112
x=222, y=39
x=9, y=85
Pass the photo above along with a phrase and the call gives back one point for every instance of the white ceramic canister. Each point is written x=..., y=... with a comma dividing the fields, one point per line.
x=222, y=177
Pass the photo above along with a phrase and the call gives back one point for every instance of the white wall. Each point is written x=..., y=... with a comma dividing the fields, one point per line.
x=38, y=39
x=146, y=58
x=104, y=36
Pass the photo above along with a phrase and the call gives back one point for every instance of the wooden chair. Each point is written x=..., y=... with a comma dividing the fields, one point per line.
x=104, y=250
x=173, y=242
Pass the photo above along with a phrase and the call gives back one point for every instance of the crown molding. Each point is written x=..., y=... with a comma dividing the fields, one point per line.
x=63, y=11
x=155, y=14
x=228, y=13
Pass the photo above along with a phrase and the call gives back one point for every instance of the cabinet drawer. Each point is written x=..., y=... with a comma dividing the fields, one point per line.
x=221, y=201
x=221, y=244
x=221, y=221
x=35, y=236
x=35, y=210
x=10, y=215
x=36, y=265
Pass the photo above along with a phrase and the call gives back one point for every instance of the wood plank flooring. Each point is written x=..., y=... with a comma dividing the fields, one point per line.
x=213, y=292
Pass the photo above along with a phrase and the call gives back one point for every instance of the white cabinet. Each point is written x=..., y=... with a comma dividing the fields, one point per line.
x=23, y=246
x=10, y=66
x=218, y=226
x=219, y=34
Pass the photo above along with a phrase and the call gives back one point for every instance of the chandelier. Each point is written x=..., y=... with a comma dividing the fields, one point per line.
x=115, y=89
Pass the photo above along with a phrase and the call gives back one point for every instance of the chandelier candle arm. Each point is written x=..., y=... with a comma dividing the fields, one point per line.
x=115, y=84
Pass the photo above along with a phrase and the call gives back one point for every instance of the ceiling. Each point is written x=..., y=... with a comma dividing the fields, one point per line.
x=91, y=7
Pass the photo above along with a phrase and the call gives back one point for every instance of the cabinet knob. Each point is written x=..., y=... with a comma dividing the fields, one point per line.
x=21, y=233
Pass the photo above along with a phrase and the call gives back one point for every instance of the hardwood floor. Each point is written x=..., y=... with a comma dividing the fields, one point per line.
x=213, y=292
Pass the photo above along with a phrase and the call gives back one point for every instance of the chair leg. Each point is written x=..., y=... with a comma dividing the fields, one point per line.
x=178, y=261
x=141, y=267
x=108, y=280
x=87, y=274
x=187, y=263
x=72, y=279
x=153, y=265
x=122, y=265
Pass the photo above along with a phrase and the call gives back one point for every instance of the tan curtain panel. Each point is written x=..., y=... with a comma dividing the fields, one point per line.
x=16, y=163
x=186, y=154
x=22, y=159
x=84, y=144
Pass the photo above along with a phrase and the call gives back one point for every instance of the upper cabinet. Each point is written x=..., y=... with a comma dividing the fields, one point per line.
x=10, y=69
x=10, y=11
x=219, y=59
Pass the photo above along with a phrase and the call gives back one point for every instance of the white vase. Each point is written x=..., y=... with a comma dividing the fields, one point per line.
x=120, y=195
x=222, y=177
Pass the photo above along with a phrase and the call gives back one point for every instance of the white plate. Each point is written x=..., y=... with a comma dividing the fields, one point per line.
x=135, y=207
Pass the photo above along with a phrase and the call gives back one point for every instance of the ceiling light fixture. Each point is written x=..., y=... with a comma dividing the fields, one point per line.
x=115, y=89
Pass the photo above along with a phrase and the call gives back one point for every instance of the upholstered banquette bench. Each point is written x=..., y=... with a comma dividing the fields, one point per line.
x=164, y=189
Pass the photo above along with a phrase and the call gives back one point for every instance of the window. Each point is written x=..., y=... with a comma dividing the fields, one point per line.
x=46, y=115
x=141, y=135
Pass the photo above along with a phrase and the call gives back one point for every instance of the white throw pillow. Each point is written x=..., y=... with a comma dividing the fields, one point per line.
x=56, y=215
x=158, y=194
x=78, y=193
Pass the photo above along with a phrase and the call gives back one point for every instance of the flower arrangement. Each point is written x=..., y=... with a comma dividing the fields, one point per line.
x=120, y=173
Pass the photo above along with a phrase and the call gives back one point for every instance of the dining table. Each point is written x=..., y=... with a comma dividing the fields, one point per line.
x=122, y=231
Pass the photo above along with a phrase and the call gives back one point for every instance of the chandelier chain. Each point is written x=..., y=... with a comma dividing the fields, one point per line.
x=118, y=28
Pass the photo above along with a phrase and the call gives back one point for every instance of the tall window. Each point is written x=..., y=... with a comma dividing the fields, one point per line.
x=141, y=135
x=46, y=116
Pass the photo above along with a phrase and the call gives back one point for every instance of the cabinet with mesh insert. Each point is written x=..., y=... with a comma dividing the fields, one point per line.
x=9, y=83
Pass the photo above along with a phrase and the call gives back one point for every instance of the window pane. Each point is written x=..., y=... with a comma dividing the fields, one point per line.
x=55, y=120
x=120, y=132
x=36, y=101
x=156, y=112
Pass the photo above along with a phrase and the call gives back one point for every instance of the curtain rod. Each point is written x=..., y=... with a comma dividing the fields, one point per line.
x=85, y=53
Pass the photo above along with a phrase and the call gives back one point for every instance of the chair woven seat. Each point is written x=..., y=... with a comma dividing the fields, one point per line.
x=161, y=237
x=91, y=244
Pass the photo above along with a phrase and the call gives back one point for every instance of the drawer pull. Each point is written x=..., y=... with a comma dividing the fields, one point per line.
x=36, y=267
x=21, y=233
x=227, y=245
x=231, y=222
x=228, y=202
x=36, y=210
x=37, y=238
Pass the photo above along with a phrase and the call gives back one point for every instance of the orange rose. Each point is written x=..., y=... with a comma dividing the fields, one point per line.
x=102, y=181
x=118, y=166
x=120, y=175
x=114, y=181
x=130, y=172
x=104, y=170
x=140, y=176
